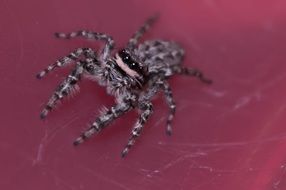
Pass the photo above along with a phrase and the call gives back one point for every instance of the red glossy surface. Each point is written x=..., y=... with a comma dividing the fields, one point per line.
x=230, y=135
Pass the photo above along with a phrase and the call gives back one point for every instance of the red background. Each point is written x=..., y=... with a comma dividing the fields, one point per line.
x=230, y=135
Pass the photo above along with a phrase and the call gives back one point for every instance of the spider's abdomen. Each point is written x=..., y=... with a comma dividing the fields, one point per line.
x=160, y=56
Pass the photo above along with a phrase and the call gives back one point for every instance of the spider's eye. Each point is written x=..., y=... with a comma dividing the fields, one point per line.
x=134, y=66
x=124, y=56
x=131, y=63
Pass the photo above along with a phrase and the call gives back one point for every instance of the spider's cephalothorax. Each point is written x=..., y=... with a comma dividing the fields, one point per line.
x=133, y=75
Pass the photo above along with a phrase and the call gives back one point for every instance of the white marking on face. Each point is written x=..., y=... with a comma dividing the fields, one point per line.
x=124, y=67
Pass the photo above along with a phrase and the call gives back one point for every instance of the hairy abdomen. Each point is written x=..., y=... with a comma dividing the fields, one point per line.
x=160, y=56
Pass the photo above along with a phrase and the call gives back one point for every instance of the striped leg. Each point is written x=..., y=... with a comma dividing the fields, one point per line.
x=192, y=72
x=102, y=121
x=64, y=89
x=142, y=30
x=147, y=109
x=171, y=104
x=92, y=35
x=73, y=56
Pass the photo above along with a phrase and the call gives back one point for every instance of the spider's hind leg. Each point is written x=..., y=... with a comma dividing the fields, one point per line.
x=64, y=89
x=192, y=72
x=73, y=56
x=172, y=106
x=142, y=30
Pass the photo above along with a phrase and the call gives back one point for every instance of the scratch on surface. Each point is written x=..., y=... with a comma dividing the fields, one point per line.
x=228, y=144
x=47, y=138
x=215, y=93
x=39, y=156
x=277, y=183
x=215, y=170
x=176, y=161
x=180, y=159
x=109, y=180
x=160, y=121
x=243, y=101
x=170, y=164
x=192, y=166
x=40, y=152
x=62, y=127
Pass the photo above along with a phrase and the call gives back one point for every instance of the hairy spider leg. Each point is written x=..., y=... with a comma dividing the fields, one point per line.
x=102, y=121
x=172, y=106
x=142, y=30
x=64, y=89
x=73, y=56
x=147, y=109
x=192, y=72
x=105, y=55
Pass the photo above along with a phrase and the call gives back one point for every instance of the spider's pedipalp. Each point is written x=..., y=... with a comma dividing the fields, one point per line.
x=142, y=30
x=192, y=72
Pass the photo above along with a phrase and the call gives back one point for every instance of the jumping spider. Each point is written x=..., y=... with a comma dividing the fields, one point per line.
x=133, y=76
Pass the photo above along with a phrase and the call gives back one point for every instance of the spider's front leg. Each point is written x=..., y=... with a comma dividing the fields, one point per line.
x=64, y=89
x=73, y=56
x=106, y=118
x=147, y=110
x=93, y=36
